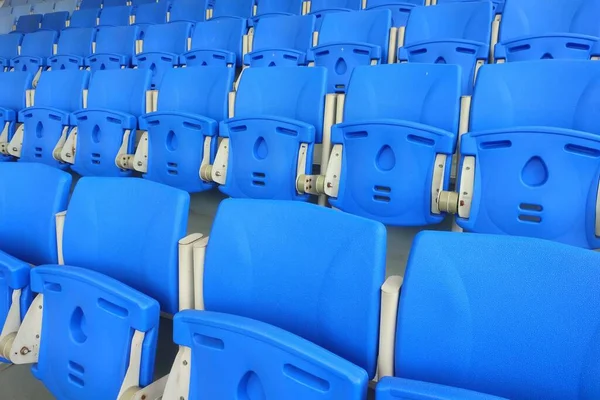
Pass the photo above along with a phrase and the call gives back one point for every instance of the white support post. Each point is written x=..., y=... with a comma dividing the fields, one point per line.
x=16, y=143
x=30, y=97
x=400, y=36
x=186, y=270
x=495, y=36
x=178, y=384
x=465, y=191
x=11, y=325
x=205, y=170
x=329, y=121
x=199, y=253
x=315, y=38
x=479, y=64
x=140, y=158
x=597, y=227
x=390, y=295
x=25, y=348
x=334, y=170
x=4, y=139
x=60, y=227
x=437, y=182
x=219, y=168
x=69, y=150
x=131, y=381
x=393, y=46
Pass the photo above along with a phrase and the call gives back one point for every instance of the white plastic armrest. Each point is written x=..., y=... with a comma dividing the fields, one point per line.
x=467, y=182
x=29, y=97
x=69, y=150
x=16, y=143
x=199, y=251
x=131, y=381
x=390, y=294
x=11, y=325
x=140, y=159
x=333, y=172
x=219, y=170
x=178, y=384
x=60, y=226
x=154, y=391
x=437, y=182
x=186, y=270
x=26, y=346
x=60, y=144
x=124, y=160
x=4, y=139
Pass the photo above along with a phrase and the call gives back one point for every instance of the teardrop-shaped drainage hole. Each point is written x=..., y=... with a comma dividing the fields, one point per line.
x=78, y=326
x=260, y=149
x=250, y=387
x=440, y=60
x=340, y=66
x=39, y=130
x=96, y=134
x=535, y=172
x=172, y=142
x=385, y=159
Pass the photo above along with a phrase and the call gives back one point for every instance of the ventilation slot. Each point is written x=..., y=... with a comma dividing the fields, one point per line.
x=530, y=218
x=531, y=207
x=38, y=152
x=96, y=158
x=172, y=168
x=383, y=199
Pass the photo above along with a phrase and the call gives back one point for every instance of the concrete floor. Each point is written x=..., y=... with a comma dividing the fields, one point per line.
x=17, y=383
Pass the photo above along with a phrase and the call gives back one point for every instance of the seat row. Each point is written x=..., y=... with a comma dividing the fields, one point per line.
x=107, y=261
x=387, y=149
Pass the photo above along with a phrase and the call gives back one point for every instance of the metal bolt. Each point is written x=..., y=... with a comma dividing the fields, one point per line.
x=217, y=173
x=68, y=154
x=139, y=163
x=468, y=168
x=25, y=351
x=184, y=362
x=37, y=336
x=40, y=307
x=14, y=149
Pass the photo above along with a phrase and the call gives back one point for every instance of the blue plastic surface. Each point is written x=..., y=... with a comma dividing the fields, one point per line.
x=332, y=301
x=115, y=48
x=56, y=21
x=115, y=16
x=274, y=7
x=43, y=7
x=74, y=46
x=151, y=14
x=498, y=4
x=57, y=95
x=128, y=229
x=14, y=275
x=90, y=4
x=405, y=389
x=536, y=29
x=84, y=18
x=453, y=33
x=9, y=49
x=321, y=7
x=13, y=97
x=400, y=9
x=187, y=10
x=65, y=5
x=116, y=99
x=22, y=9
x=281, y=41
x=471, y=303
x=28, y=23
x=217, y=43
x=276, y=109
x=163, y=44
x=261, y=361
x=87, y=328
x=351, y=39
x=396, y=119
x=191, y=104
x=35, y=49
x=237, y=8
x=6, y=23
x=114, y=3
x=517, y=106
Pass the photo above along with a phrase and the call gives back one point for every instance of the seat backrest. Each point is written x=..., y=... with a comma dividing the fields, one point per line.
x=116, y=40
x=322, y=5
x=455, y=20
x=120, y=90
x=428, y=94
x=197, y=90
x=62, y=89
x=9, y=45
x=187, y=10
x=291, y=92
x=84, y=18
x=284, y=32
x=76, y=41
x=14, y=85
x=6, y=24
x=519, y=94
x=238, y=8
x=90, y=4
x=471, y=302
x=136, y=240
x=220, y=34
x=400, y=9
x=65, y=5
x=31, y=196
x=266, y=7
x=24, y=9
x=167, y=38
x=28, y=23
x=497, y=4
x=56, y=21
x=15, y=3
x=43, y=7
x=137, y=3
x=39, y=44
x=115, y=16
x=114, y=3
x=340, y=314
x=152, y=13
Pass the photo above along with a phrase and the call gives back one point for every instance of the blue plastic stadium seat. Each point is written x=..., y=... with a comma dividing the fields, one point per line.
x=56, y=21
x=31, y=194
x=401, y=389
x=497, y=4
x=114, y=3
x=116, y=281
x=9, y=49
x=6, y=24
x=397, y=120
x=137, y=3
x=470, y=303
x=5, y=11
x=453, y=33
x=278, y=7
x=57, y=95
x=43, y=7
x=348, y=40
x=281, y=41
x=150, y=14
x=547, y=191
x=87, y=18
x=115, y=48
x=237, y=8
x=35, y=50
x=15, y=3
x=28, y=23
x=65, y=5
x=321, y=7
x=20, y=10
x=163, y=44
x=191, y=103
x=115, y=16
x=74, y=46
x=534, y=29
x=295, y=333
x=13, y=98
x=276, y=111
x=188, y=11
x=116, y=99
x=217, y=43
x=400, y=8
x=90, y=4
